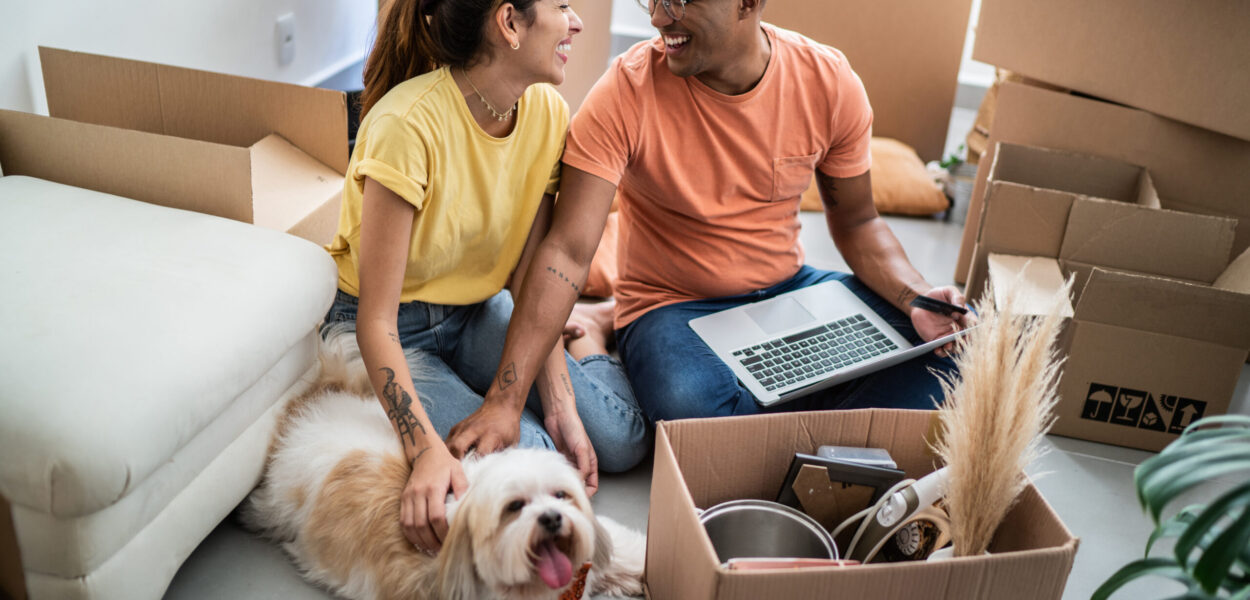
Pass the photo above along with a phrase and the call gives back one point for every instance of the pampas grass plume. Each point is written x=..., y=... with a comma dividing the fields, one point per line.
x=996, y=410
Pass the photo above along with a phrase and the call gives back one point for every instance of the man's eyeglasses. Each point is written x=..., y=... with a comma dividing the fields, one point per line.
x=676, y=9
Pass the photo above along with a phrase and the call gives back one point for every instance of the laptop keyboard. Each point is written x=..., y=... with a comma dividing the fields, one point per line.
x=794, y=358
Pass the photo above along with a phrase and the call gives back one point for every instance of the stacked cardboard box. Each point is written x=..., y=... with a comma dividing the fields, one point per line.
x=261, y=152
x=1177, y=75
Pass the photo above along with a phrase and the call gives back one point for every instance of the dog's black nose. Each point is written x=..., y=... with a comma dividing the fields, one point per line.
x=550, y=521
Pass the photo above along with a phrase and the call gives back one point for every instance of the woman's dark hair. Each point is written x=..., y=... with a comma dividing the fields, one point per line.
x=418, y=36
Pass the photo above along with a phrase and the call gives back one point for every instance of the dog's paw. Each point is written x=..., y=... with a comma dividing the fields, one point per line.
x=623, y=575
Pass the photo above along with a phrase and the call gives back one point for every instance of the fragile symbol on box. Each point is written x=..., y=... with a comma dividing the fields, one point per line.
x=1137, y=408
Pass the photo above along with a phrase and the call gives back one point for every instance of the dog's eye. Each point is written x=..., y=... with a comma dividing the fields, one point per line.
x=516, y=505
x=560, y=495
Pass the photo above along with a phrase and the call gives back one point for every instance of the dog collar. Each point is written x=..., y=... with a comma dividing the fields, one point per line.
x=578, y=585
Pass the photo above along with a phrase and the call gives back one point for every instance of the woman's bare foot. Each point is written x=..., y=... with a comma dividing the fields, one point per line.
x=594, y=322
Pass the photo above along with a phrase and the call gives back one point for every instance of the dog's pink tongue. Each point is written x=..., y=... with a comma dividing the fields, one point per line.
x=553, y=566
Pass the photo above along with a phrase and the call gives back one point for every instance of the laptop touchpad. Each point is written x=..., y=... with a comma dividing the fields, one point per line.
x=779, y=314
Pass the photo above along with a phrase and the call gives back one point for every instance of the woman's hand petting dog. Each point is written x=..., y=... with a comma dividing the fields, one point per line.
x=567, y=431
x=423, y=504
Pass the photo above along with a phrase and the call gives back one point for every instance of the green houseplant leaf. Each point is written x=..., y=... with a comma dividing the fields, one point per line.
x=1211, y=556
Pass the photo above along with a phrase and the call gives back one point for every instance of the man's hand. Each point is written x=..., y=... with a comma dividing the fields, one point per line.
x=422, y=505
x=931, y=325
x=493, y=426
x=566, y=430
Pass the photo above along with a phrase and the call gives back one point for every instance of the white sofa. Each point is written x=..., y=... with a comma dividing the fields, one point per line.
x=144, y=354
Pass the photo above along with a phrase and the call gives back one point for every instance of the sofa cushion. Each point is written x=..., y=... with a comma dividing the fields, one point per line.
x=129, y=328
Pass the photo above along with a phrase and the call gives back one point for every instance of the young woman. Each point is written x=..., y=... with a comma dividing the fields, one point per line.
x=448, y=191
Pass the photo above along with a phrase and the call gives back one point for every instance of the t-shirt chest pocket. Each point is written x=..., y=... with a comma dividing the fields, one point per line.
x=792, y=175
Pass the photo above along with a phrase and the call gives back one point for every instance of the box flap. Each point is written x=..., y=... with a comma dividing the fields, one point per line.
x=289, y=185
x=193, y=104
x=1191, y=167
x=1025, y=220
x=1148, y=240
x=1236, y=277
x=1083, y=174
x=180, y=173
x=1037, y=280
x=1166, y=306
x=1147, y=195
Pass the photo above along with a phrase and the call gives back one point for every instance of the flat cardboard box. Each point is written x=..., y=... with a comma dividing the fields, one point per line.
x=1146, y=355
x=261, y=152
x=1091, y=211
x=1194, y=170
x=1189, y=61
x=702, y=462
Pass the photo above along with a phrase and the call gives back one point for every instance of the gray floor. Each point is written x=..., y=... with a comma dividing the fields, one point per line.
x=1088, y=484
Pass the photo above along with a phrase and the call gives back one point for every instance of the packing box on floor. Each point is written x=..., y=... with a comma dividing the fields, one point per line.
x=1189, y=61
x=1194, y=170
x=1159, y=331
x=702, y=462
x=261, y=152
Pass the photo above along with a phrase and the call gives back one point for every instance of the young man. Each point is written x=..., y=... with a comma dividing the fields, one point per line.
x=710, y=133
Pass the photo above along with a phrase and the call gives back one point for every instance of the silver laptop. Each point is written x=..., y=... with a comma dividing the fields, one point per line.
x=806, y=340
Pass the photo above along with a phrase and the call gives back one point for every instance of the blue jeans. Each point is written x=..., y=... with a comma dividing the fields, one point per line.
x=453, y=352
x=676, y=376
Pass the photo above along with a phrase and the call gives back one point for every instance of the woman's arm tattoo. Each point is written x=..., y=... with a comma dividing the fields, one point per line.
x=399, y=407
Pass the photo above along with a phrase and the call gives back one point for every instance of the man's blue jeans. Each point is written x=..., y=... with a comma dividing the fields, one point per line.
x=676, y=376
x=453, y=352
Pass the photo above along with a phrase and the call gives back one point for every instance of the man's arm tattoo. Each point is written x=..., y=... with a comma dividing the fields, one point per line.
x=568, y=387
x=507, y=377
x=904, y=296
x=394, y=336
x=831, y=190
x=399, y=407
x=560, y=274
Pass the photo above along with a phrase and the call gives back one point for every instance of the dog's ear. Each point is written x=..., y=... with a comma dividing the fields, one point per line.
x=457, y=578
x=603, y=546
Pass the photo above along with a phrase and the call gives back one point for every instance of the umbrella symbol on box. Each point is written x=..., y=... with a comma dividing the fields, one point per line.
x=1099, y=401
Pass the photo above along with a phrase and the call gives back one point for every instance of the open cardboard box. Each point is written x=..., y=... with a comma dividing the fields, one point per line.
x=1194, y=170
x=1183, y=60
x=1161, y=322
x=1146, y=355
x=261, y=152
x=702, y=462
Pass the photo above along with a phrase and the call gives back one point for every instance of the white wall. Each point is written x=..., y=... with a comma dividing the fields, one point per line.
x=227, y=36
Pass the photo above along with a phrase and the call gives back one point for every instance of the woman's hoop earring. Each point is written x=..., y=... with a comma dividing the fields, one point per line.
x=516, y=45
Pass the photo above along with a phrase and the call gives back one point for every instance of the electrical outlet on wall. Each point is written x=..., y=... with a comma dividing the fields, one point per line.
x=284, y=37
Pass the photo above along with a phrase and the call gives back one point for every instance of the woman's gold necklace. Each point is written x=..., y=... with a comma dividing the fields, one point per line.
x=494, y=113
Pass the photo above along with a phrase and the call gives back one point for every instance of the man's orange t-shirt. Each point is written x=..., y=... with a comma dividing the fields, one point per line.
x=709, y=184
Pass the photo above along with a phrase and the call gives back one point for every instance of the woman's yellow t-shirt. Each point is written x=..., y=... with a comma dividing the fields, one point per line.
x=476, y=195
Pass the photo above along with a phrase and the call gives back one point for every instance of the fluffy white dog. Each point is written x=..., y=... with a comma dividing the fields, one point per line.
x=331, y=491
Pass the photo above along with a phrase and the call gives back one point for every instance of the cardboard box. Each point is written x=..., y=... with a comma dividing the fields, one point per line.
x=256, y=151
x=702, y=462
x=1146, y=355
x=1159, y=330
x=1186, y=60
x=1194, y=170
x=911, y=84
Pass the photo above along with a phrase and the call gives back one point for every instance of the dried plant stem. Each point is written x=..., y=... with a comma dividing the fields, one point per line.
x=995, y=412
